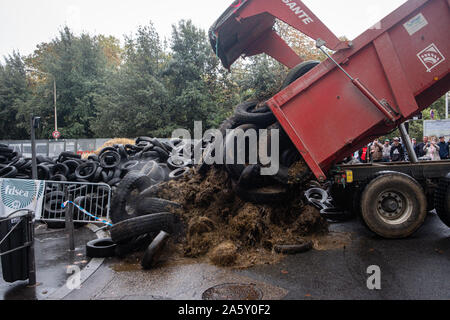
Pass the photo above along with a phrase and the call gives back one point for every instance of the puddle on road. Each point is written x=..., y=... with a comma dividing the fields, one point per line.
x=331, y=241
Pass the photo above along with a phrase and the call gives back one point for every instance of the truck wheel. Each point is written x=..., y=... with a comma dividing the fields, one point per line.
x=442, y=200
x=393, y=205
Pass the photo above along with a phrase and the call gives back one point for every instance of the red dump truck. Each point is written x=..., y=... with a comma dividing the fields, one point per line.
x=365, y=89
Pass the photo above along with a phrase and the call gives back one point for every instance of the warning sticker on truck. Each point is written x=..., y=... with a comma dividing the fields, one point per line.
x=431, y=57
x=415, y=24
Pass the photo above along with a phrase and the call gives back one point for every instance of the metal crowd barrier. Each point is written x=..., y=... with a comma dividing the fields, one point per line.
x=88, y=202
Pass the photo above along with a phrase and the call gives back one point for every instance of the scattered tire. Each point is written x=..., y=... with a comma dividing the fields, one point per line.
x=136, y=244
x=130, y=165
x=179, y=173
x=129, y=189
x=127, y=229
x=100, y=248
x=110, y=159
x=177, y=162
x=86, y=171
x=247, y=112
x=393, y=205
x=265, y=195
x=155, y=205
x=154, y=250
x=8, y=172
x=299, y=71
x=294, y=249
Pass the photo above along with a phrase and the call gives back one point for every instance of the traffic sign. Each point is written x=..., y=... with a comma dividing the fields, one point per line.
x=56, y=134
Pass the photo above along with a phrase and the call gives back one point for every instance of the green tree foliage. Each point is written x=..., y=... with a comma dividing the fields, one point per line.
x=142, y=86
x=135, y=100
x=78, y=65
x=14, y=94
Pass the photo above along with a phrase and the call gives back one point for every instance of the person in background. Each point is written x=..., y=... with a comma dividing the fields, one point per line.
x=420, y=148
x=443, y=148
x=386, y=151
x=376, y=151
x=364, y=154
x=397, y=153
x=432, y=150
x=414, y=145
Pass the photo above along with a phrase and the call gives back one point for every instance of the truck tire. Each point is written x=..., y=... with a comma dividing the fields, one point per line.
x=393, y=205
x=442, y=200
x=299, y=71
x=128, y=229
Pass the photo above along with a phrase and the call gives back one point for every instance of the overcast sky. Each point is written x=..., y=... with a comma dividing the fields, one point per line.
x=25, y=23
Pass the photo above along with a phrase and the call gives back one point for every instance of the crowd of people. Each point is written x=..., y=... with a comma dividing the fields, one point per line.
x=430, y=149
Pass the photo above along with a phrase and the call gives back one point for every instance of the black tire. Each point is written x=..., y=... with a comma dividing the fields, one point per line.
x=127, y=229
x=43, y=172
x=107, y=163
x=179, y=173
x=335, y=214
x=72, y=165
x=114, y=182
x=8, y=172
x=150, y=155
x=265, y=195
x=155, y=205
x=58, y=177
x=157, y=173
x=107, y=149
x=393, y=205
x=100, y=248
x=136, y=244
x=127, y=193
x=177, y=162
x=154, y=250
x=130, y=165
x=151, y=192
x=246, y=113
x=299, y=71
x=163, y=154
x=93, y=157
x=235, y=169
x=147, y=168
x=68, y=155
x=86, y=171
x=294, y=249
x=250, y=177
x=60, y=169
x=442, y=200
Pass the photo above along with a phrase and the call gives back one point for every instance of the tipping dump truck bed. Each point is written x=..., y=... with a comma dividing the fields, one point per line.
x=366, y=89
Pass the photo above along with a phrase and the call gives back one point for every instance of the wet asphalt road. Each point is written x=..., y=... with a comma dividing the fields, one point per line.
x=52, y=258
x=414, y=268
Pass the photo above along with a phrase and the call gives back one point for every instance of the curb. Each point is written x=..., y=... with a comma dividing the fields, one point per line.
x=86, y=272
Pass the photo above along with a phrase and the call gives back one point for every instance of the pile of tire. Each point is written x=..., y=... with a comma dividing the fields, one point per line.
x=137, y=214
x=247, y=180
x=123, y=167
x=109, y=166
